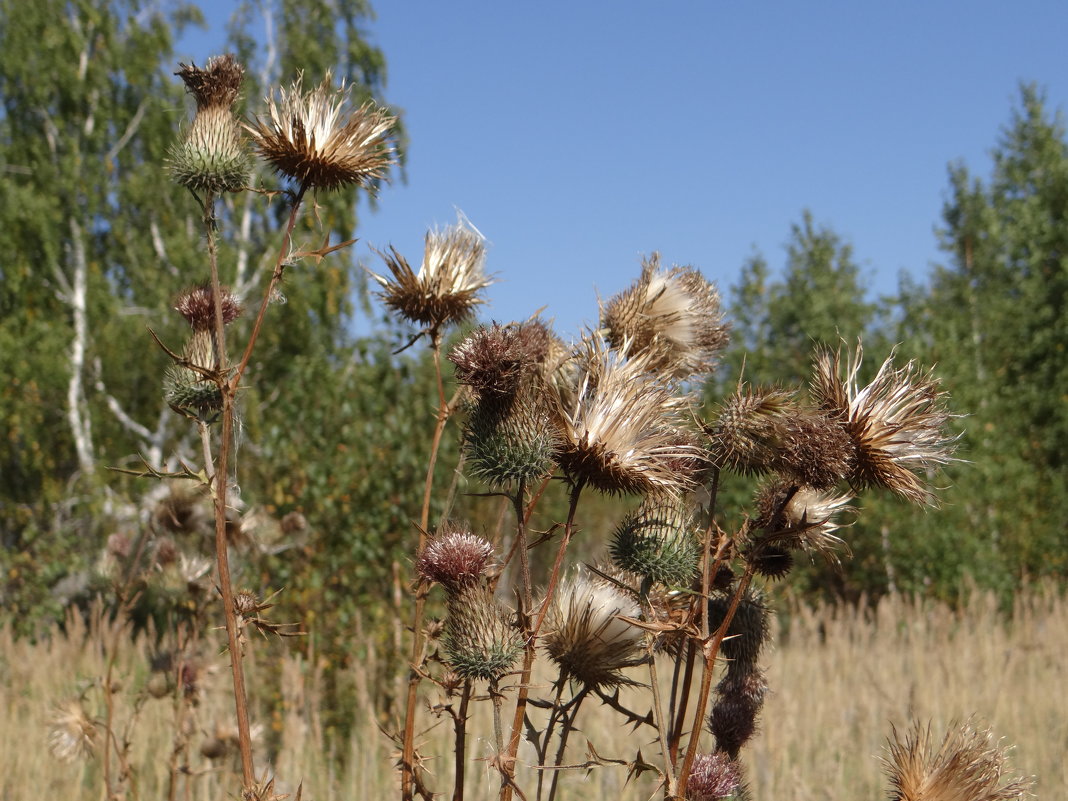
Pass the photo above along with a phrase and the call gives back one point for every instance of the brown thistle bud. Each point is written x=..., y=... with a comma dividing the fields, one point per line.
x=491, y=360
x=455, y=558
x=748, y=629
x=659, y=543
x=197, y=306
x=968, y=765
x=713, y=777
x=803, y=517
x=480, y=642
x=672, y=315
x=212, y=156
x=446, y=288
x=750, y=429
x=771, y=561
x=897, y=422
x=71, y=733
x=319, y=141
x=620, y=432
x=586, y=637
x=739, y=699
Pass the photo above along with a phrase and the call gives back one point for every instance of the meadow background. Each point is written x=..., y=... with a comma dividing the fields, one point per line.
x=938, y=614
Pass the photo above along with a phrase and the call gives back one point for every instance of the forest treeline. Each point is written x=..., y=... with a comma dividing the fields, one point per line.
x=335, y=426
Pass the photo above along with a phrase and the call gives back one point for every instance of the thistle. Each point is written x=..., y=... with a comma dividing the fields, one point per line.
x=673, y=316
x=318, y=140
x=967, y=766
x=71, y=733
x=446, y=288
x=587, y=639
x=803, y=517
x=506, y=445
x=896, y=422
x=621, y=432
x=479, y=640
x=713, y=777
x=658, y=543
x=455, y=558
x=212, y=156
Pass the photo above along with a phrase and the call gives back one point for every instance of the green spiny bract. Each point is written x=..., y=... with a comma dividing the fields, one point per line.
x=479, y=640
x=509, y=443
x=657, y=542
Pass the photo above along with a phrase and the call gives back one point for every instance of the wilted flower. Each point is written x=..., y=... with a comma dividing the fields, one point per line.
x=803, y=517
x=319, y=141
x=586, y=636
x=896, y=422
x=71, y=734
x=658, y=543
x=197, y=306
x=739, y=699
x=673, y=315
x=446, y=288
x=480, y=641
x=455, y=558
x=712, y=777
x=492, y=360
x=621, y=433
x=212, y=157
x=968, y=766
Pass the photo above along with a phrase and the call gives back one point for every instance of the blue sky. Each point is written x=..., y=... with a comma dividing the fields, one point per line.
x=578, y=136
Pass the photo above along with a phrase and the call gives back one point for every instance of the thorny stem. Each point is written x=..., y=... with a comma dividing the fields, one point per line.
x=508, y=765
x=711, y=649
x=219, y=480
x=658, y=713
x=569, y=718
x=555, y=711
x=680, y=716
x=414, y=677
x=460, y=732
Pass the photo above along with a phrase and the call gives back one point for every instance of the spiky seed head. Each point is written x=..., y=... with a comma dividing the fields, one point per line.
x=71, y=732
x=455, y=558
x=748, y=629
x=658, y=542
x=897, y=422
x=816, y=450
x=713, y=777
x=620, y=432
x=480, y=641
x=673, y=315
x=968, y=765
x=212, y=156
x=507, y=444
x=586, y=637
x=739, y=699
x=446, y=288
x=197, y=306
x=491, y=360
x=804, y=517
x=750, y=429
x=318, y=139
x=247, y=603
x=772, y=561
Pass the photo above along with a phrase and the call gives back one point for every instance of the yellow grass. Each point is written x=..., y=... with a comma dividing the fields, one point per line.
x=839, y=678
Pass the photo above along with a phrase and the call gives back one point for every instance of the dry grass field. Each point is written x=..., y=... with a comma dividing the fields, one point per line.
x=840, y=678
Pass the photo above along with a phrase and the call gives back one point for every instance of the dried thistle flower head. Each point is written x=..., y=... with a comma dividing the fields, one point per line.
x=480, y=641
x=967, y=766
x=620, y=433
x=71, y=733
x=446, y=288
x=586, y=637
x=491, y=360
x=765, y=430
x=197, y=306
x=672, y=315
x=739, y=699
x=455, y=558
x=897, y=422
x=803, y=517
x=317, y=139
x=748, y=629
x=713, y=777
x=212, y=156
x=658, y=543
